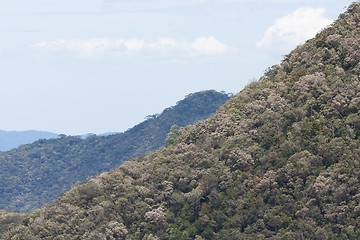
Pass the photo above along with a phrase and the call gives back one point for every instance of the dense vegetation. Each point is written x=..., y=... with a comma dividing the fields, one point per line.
x=34, y=174
x=13, y=139
x=280, y=160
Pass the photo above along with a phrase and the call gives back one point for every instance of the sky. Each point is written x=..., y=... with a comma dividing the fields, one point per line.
x=94, y=66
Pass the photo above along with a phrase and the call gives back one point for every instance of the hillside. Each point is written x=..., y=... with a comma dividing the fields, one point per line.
x=13, y=139
x=280, y=160
x=34, y=174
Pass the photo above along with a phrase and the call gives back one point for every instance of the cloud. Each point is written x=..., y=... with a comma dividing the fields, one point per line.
x=92, y=49
x=209, y=46
x=134, y=44
x=294, y=29
x=98, y=49
x=164, y=46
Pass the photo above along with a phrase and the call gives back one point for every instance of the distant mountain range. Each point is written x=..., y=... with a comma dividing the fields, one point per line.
x=13, y=139
x=37, y=173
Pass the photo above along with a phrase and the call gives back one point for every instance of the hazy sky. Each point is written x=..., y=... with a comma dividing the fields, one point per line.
x=94, y=66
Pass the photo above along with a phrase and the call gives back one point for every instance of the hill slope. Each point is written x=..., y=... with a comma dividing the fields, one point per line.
x=280, y=160
x=34, y=174
x=13, y=139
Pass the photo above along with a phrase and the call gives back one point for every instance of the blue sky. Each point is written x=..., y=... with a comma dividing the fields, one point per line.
x=94, y=66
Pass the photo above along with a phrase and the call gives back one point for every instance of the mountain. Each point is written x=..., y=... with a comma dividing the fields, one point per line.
x=13, y=139
x=37, y=173
x=279, y=160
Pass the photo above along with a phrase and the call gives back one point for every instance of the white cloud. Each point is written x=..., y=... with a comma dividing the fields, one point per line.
x=209, y=46
x=164, y=46
x=92, y=49
x=134, y=44
x=98, y=49
x=293, y=29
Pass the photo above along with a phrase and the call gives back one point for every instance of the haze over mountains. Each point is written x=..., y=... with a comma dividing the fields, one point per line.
x=279, y=160
x=13, y=139
x=37, y=173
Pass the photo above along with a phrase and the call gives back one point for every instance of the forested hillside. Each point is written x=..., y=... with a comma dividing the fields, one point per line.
x=280, y=160
x=13, y=139
x=34, y=174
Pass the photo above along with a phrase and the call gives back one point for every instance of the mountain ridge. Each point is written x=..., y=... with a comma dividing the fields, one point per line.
x=279, y=160
x=37, y=173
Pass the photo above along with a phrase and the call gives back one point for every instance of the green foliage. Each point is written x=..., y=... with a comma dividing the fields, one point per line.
x=280, y=160
x=34, y=174
x=174, y=131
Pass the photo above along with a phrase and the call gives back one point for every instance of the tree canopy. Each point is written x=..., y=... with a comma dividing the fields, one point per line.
x=37, y=173
x=279, y=160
